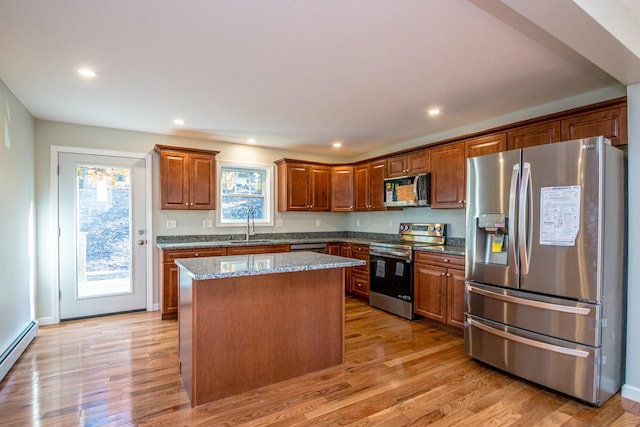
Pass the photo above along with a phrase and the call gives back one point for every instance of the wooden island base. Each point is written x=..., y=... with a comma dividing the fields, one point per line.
x=240, y=333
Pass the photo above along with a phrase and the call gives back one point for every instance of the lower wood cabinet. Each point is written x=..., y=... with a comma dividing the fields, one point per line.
x=169, y=270
x=439, y=287
x=360, y=274
x=332, y=248
x=169, y=276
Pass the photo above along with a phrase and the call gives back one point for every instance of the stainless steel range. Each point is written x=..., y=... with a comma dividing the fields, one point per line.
x=391, y=284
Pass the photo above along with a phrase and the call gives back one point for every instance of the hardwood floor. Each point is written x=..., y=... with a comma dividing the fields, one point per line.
x=123, y=370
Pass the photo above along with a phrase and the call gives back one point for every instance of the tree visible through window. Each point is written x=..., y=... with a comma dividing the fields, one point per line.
x=242, y=188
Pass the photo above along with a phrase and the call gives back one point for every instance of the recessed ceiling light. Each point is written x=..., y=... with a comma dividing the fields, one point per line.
x=85, y=72
x=434, y=112
x=337, y=144
x=251, y=141
x=178, y=122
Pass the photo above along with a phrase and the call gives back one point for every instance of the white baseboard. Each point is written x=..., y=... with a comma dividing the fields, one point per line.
x=43, y=321
x=156, y=307
x=17, y=347
x=631, y=392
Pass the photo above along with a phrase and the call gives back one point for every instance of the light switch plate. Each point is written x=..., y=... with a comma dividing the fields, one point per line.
x=171, y=223
x=317, y=223
x=207, y=223
x=279, y=223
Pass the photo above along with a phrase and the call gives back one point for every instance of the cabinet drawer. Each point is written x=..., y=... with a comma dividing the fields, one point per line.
x=361, y=252
x=360, y=284
x=444, y=260
x=169, y=256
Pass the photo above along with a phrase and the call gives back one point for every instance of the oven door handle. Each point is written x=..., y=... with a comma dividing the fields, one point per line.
x=389, y=254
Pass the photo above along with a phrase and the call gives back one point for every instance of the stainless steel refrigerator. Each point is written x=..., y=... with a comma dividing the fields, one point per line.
x=544, y=265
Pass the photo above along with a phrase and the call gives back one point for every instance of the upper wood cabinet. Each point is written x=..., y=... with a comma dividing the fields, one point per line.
x=447, y=176
x=369, y=186
x=489, y=144
x=342, y=188
x=408, y=164
x=303, y=187
x=611, y=123
x=529, y=136
x=187, y=178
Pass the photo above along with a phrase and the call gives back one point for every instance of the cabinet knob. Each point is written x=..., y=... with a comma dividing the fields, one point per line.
x=448, y=275
x=442, y=274
x=446, y=260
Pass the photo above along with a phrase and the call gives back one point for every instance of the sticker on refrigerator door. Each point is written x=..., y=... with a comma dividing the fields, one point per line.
x=380, y=268
x=559, y=215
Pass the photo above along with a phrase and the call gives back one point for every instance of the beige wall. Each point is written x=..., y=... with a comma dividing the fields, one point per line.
x=16, y=216
x=50, y=134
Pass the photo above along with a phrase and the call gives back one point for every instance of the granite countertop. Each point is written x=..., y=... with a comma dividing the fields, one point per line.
x=259, y=242
x=251, y=265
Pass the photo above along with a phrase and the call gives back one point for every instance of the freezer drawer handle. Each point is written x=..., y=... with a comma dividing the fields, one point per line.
x=537, y=304
x=526, y=341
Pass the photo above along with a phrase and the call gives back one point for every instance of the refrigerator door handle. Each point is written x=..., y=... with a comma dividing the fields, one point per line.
x=524, y=227
x=531, y=303
x=513, y=260
x=526, y=341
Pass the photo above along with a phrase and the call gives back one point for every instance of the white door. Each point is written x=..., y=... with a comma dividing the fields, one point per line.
x=101, y=218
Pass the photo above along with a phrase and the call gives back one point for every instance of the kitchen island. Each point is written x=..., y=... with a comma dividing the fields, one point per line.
x=252, y=320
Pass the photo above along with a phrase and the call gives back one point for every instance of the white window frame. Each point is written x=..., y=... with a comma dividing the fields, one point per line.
x=269, y=188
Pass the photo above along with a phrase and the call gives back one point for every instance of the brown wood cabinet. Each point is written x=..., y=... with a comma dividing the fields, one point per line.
x=169, y=276
x=369, y=186
x=408, y=164
x=360, y=274
x=342, y=188
x=611, y=123
x=345, y=251
x=530, y=136
x=187, y=178
x=169, y=270
x=447, y=176
x=439, y=287
x=489, y=144
x=332, y=248
x=303, y=187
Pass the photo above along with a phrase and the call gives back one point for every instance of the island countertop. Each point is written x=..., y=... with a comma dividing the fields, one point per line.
x=219, y=267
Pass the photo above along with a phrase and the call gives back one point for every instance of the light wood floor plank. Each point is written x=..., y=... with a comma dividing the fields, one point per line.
x=124, y=371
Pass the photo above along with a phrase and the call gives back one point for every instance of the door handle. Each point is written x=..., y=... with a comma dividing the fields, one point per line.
x=513, y=260
x=141, y=242
x=525, y=226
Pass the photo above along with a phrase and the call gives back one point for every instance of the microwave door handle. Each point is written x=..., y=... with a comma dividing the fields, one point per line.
x=416, y=179
x=513, y=260
x=524, y=227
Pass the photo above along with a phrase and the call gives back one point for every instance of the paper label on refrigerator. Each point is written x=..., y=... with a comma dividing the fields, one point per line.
x=559, y=215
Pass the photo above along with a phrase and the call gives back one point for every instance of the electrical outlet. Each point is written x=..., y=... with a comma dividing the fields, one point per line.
x=279, y=223
x=317, y=223
x=357, y=223
x=171, y=223
x=207, y=223
x=390, y=223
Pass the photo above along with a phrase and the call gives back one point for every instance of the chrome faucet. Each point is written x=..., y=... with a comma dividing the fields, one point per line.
x=251, y=222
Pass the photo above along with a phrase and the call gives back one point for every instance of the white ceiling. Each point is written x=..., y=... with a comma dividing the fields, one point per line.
x=297, y=74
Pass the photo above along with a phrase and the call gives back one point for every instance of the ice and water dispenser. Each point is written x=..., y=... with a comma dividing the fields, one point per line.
x=491, y=239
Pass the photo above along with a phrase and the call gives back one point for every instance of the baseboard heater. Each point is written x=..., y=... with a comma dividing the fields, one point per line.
x=11, y=355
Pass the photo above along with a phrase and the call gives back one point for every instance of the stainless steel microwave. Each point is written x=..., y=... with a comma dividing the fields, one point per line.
x=414, y=190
